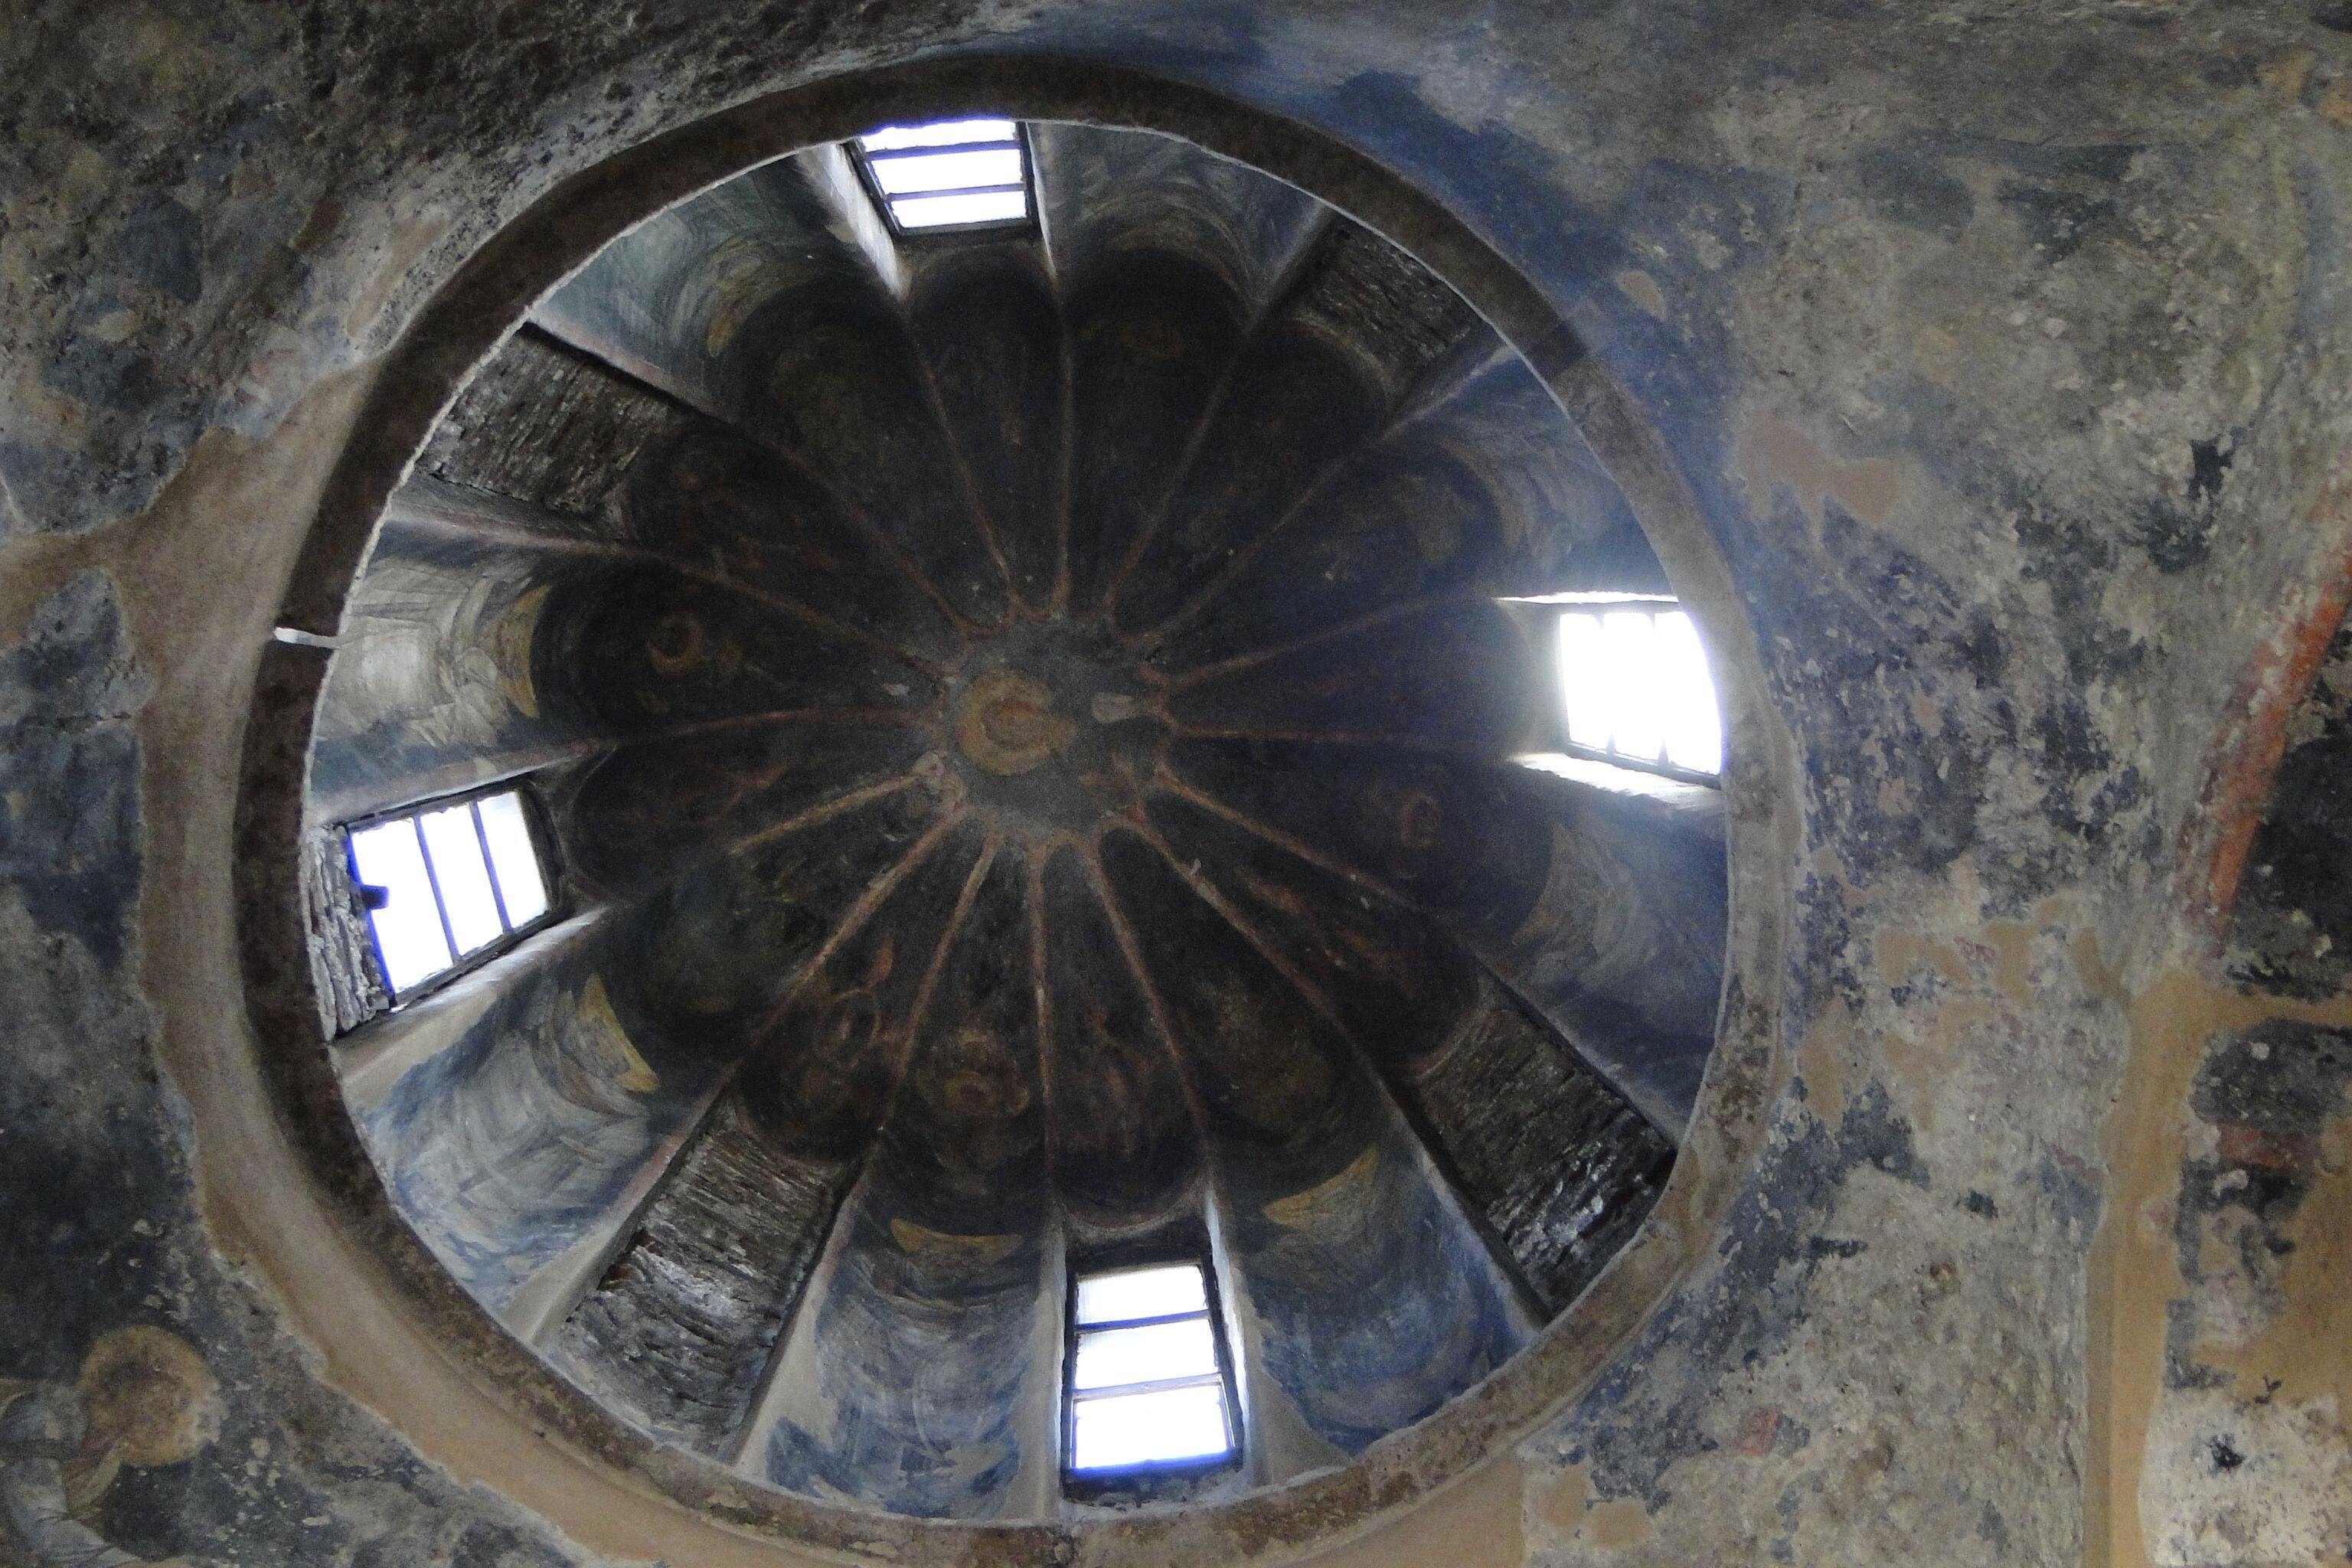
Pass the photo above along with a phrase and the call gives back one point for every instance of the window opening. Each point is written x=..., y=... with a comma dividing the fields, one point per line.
x=948, y=176
x=448, y=884
x=1635, y=683
x=1149, y=1385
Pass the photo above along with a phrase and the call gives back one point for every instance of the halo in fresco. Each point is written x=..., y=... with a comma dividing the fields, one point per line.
x=1028, y=732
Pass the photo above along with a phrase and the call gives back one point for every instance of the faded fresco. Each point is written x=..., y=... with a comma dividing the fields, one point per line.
x=1982, y=372
x=144, y=1400
x=1034, y=770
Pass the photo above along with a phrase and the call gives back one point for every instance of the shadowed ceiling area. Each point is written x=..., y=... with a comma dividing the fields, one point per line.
x=1025, y=727
x=1979, y=374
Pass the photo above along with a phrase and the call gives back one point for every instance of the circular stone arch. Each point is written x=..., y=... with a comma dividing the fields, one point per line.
x=608, y=1485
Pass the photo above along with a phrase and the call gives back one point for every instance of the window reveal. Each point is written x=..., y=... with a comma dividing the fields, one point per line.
x=1636, y=687
x=1149, y=1385
x=949, y=175
x=448, y=883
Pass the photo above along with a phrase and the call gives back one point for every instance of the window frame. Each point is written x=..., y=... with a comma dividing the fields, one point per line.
x=543, y=845
x=1601, y=604
x=1112, y=1481
x=1026, y=224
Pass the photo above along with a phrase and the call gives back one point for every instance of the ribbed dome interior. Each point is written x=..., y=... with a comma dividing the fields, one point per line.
x=1027, y=726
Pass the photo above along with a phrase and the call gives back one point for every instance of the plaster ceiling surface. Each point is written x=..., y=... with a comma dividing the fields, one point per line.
x=1025, y=722
x=1995, y=356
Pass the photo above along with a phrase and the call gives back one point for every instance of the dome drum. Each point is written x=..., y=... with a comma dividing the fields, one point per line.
x=1026, y=731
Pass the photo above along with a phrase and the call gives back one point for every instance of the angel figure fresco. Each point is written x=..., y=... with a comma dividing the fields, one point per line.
x=144, y=1399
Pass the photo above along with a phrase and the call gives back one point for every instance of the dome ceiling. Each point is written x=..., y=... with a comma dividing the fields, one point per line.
x=1024, y=721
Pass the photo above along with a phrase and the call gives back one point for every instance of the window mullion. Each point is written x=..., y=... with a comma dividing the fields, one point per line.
x=1650, y=619
x=490, y=866
x=1599, y=657
x=1133, y=1435
x=396, y=850
x=1147, y=1385
x=905, y=220
x=899, y=154
x=433, y=880
x=996, y=189
x=1107, y=1323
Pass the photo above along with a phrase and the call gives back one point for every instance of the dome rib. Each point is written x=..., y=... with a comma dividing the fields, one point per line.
x=633, y=828
x=840, y=557
x=841, y=384
x=681, y=1142
x=1325, y=372
x=967, y=484
x=1436, y=387
x=995, y=364
x=1343, y=1255
x=737, y=308
x=427, y=508
x=1453, y=676
x=965, y=1225
x=1442, y=385
x=1258, y=239
x=1258, y=314
x=1143, y=1122
x=1030, y=716
x=765, y=520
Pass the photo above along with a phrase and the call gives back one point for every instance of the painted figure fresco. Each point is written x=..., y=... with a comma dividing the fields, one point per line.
x=1034, y=725
x=144, y=1399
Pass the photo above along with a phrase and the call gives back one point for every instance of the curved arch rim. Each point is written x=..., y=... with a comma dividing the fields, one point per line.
x=464, y=320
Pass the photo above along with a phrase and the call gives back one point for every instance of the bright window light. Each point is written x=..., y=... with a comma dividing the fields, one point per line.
x=1636, y=685
x=1161, y=1427
x=959, y=209
x=462, y=871
x=938, y=133
x=1167, y=1291
x=948, y=174
x=920, y=173
x=521, y=889
x=408, y=923
x=1113, y=1356
x=1148, y=1384
x=448, y=883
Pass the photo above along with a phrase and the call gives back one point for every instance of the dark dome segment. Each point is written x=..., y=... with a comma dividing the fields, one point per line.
x=1469, y=493
x=1308, y=390
x=1134, y=1159
x=990, y=325
x=754, y=303
x=1167, y=259
x=1025, y=723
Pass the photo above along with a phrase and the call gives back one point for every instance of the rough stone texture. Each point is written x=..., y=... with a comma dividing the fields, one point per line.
x=678, y=1328
x=1105, y=196
x=1343, y=341
x=2290, y=931
x=2000, y=349
x=570, y=588
x=68, y=695
x=544, y=425
x=1371, y=297
x=1611, y=931
x=343, y=950
x=1505, y=1102
x=104, y=1235
x=519, y=1108
x=2249, y=1460
x=481, y=650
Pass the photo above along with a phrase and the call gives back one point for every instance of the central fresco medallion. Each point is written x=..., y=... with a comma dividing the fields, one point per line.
x=1058, y=726
x=1024, y=728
